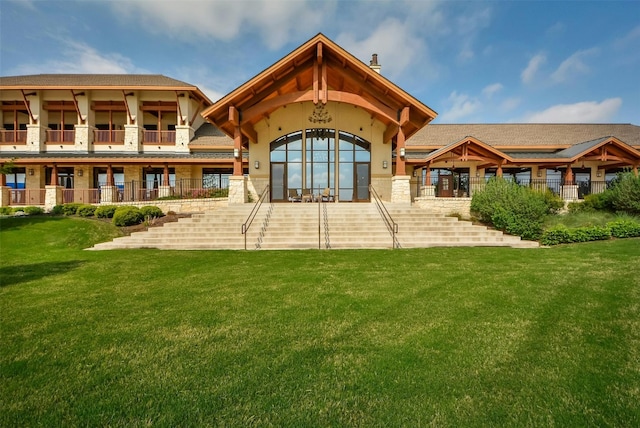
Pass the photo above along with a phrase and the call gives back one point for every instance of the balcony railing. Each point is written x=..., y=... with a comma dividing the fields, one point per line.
x=10, y=136
x=83, y=196
x=27, y=196
x=159, y=137
x=108, y=137
x=467, y=186
x=60, y=136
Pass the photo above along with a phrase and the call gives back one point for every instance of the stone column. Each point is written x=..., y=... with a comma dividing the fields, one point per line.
x=108, y=194
x=184, y=133
x=237, y=189
x=569, y=192
x=5, y=196
x=428, y=192
x=401, y=189
x=132, y=138
x=84, y=138
x=52, y=197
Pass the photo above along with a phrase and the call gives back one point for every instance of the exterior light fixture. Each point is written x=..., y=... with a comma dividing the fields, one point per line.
x=236, y=153
x=384, y=164
x=402, y=152
x=31, y=171
x=80, y=173
x=477, y=173
x=599, y=173
x=256, y=164
x=415, y=172
x=539, y=173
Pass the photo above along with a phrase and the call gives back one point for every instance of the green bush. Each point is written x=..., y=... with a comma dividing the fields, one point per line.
x=151, y=212
x=563, y=235
x=33, y=210
x=624, y=194
x=6, y=210
x=127, y=216
x=57, y=210
x=105, y=211
x=86, y=210
x=624, y=228
x=591, y=203
x=512, y=208
x=70, y=208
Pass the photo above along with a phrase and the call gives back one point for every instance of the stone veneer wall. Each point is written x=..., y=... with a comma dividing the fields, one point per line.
x=179, y=205
x=446, y=206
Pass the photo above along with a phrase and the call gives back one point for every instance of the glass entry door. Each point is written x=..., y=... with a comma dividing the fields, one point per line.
x=362, y=181
x=278, y=181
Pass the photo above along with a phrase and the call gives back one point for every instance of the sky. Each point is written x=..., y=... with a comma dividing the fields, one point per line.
x=470, y=61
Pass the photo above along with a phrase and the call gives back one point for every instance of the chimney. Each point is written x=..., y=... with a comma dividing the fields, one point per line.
x=374, y=63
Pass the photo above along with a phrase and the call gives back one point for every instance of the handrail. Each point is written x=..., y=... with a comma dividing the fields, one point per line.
x=256, y=207
x=391, y=224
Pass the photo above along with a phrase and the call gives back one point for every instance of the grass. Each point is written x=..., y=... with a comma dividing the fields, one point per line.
x=586, y=218
x=424, y=337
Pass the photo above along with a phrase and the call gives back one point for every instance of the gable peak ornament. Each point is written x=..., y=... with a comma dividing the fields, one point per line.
x=320, y=115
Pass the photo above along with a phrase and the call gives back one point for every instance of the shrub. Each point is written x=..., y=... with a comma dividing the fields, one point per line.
x=70, y=208
x=624, y=194
x=514, y=209
x=127, y=216
x=151, y=211
x=6, y=210
x=33, y=210
x=559, y=234
x=563, y=235
x=57, y=210
x=624, y=228
x=86, y=210
x=105, y=211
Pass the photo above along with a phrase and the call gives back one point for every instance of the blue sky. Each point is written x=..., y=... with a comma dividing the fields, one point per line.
x=470, y=61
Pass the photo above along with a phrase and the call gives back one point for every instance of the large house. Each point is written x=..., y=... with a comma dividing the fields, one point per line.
x=317, y=121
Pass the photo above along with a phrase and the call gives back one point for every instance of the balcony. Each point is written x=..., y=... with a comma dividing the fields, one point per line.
x=108, y=137
x=61, y=136
x=15, y=137
x=159, y=137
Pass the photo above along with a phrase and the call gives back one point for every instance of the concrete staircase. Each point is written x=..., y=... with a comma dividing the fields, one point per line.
x=309, y=225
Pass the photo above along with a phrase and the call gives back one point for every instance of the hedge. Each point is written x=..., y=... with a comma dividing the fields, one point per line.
x=127, y=216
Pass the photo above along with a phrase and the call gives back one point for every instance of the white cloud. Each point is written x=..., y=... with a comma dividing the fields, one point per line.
x=492, y=89
x=274, y=20
x=534, y=65
x=572, y=66
x=462, y=105
x=556, y=28
x=510, y=104
x=630, y=39
x=396, y=47
x=78, y=57
x=582, y=112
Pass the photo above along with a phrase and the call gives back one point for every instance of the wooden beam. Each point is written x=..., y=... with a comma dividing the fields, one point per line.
x=324, y=90
x=75, y=104
x=234, y=116
x=195, y=113
x=237, y=147
x=180, y=119
x=316, y=84
x=26, y=104
x=390, y=132
x=319, y=53
x=249, y=132
x=403, y=116
x=126, y=104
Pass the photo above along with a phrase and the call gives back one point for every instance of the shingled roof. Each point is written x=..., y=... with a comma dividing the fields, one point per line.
x=37, y=81
x=547, y=134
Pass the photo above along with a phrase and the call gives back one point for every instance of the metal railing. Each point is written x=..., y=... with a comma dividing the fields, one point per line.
x=84, y=196
x=27, y=196
x=106, y=136
x=256, y=207
x=13, y=136
x=392, y=226
x=468, y=186
x=159, y=137
x=60, y=136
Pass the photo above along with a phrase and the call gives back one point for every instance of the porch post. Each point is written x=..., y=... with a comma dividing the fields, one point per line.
x=53, y=192
x=108, y=192
x=428, y=190
x=5, y=192
x=401, y=182
x=570, y=189
x=237, y=182
x=165, y=189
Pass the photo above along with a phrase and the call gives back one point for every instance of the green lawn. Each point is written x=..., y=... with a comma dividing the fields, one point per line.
x=424, y=337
